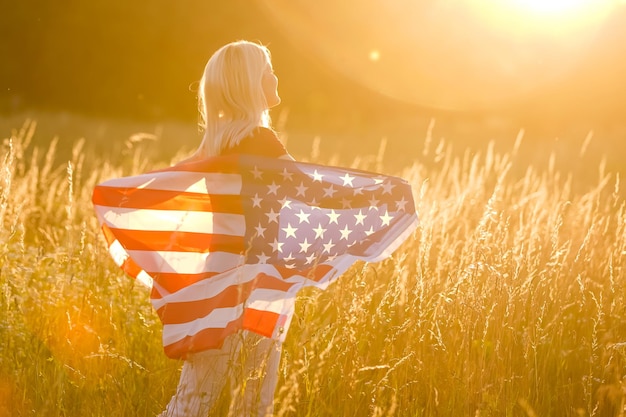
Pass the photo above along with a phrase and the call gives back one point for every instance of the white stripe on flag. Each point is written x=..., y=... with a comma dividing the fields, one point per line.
x=216, y=319
x=173, y=220
x=145, y=279
x=185, y=262
x=275, y=301
x=117, y=252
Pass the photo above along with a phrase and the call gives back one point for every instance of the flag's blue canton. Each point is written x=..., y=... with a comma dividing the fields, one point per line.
x=299, y=215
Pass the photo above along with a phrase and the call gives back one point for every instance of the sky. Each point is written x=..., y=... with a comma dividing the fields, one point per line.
x=341, y=64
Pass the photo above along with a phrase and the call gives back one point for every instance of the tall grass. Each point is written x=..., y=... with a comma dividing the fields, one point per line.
x=508, y=301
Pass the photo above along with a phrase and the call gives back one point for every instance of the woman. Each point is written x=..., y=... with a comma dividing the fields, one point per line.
x=237, y=90
x=227, y=238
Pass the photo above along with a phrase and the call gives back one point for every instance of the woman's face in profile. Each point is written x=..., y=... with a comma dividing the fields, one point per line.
x=269, y=84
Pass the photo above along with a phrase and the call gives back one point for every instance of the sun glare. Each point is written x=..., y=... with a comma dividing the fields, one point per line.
x=552, y=7
x=467, y=54
x=541, y=17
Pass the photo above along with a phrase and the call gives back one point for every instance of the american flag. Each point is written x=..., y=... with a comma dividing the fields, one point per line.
x=226, y=243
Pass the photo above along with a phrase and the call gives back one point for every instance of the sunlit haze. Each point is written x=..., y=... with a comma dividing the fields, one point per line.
x=470, y=54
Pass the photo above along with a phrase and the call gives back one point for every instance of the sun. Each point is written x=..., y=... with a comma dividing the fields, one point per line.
x=532, y=18
x=553, y=7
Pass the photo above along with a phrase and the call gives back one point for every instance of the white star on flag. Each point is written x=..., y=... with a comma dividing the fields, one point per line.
x=304, y=246
x=256, y=173
x=290, y=231
x=272, y=216
x=319, y=232
x=359, y=217
x=387, y=187
x=273, y=188
x=329, y=191
x=287, y=176
x=317, y=176
x=285, y=203
x=301, y=190
x=260, y=231
x=386, y=218
x=263, y=258
x=401, y=204
x=333, y=217
x=347, y=180
x=345, y=232
x=277, y=246
x=303, y=217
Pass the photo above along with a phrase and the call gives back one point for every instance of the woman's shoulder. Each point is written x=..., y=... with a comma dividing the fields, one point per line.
x=264, y=134
x=262, y=141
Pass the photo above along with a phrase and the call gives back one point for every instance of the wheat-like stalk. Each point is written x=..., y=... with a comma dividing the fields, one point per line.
x=508, y=300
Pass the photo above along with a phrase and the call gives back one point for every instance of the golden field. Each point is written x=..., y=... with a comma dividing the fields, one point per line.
x=509, y=300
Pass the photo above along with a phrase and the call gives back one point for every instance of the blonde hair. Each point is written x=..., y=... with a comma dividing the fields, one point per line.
x=230, y=97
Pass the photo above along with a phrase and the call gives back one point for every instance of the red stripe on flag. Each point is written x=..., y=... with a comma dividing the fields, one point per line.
x=131, y=268
x=173, y=282
x=212, y=338
x=179, y=241
x=261, y=322
x=141, y=198
x=108, y=234
x=183, y=312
